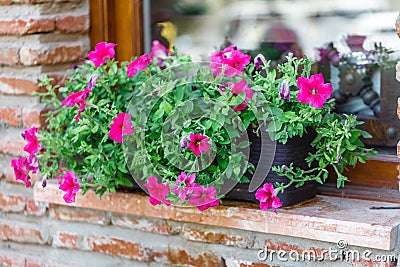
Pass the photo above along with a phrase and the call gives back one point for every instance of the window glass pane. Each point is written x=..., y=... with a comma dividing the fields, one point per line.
x=202, y=26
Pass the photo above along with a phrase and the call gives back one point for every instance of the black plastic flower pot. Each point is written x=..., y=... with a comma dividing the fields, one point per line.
x=294, y=151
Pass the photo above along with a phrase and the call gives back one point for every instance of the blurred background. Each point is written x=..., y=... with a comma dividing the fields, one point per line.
x=198, y=27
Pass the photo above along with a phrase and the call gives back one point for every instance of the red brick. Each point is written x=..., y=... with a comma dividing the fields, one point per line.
x=182, y=257
x=78, y=215
x=196, y=233
x=32, y=117
x=65, y=240
x=12, y=146
x=37, y=209
x=143, y=224
x=18, y=85
x=73, y=24
x=11, y=115
x=50, y=54
x=11, y=203
x=11, y=259
x=119, y=247
x=21, y=232
x=9, y=55
x=21, y=27
x=10, y=178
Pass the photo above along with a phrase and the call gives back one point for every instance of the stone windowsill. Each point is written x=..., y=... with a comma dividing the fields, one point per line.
x=325, y=218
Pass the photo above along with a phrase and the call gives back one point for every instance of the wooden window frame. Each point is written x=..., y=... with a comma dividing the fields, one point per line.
x=121, y=22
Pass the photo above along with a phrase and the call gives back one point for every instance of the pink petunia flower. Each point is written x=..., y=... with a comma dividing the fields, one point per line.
x=231, y=59
x=138, y=64
x=121, y=126
x=69, y=185
x=77, y=98
x=184, y=185
x=217, y=58
x=101, y=52
x=198, y=143
x=204, y=197
x=236, y=62
x=313, y=91
x=20, y=173
x=32, y=145
x=158, y=192
x=237, y=89
x=267, y=198
x=159, y=51
x=31, y=163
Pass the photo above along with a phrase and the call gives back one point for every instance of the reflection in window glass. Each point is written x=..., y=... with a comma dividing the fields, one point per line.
x=199, y=27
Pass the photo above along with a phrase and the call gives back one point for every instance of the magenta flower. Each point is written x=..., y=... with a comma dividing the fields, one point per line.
x=267, y=198
x=158, y=192
x=92, y=81
x=218, y=57
x=285, y=91
x=20, y=173
x=231, y=59
x=77, y=98
x=198, y=143
x=138, y=64
x=313, y=91
x=32, y=145
x=237, y=89
x=184, y=185
x=31, y=163
x=236, y=63
x=69, y=185
x=159, y=51
x=204, y=198
x=101, y=52
x=121, y=126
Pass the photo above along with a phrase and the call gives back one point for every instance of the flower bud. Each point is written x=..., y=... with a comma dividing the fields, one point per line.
x=184, y=142
x=285, y=90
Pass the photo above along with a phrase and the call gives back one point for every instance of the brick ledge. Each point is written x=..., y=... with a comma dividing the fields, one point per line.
x=325, y=218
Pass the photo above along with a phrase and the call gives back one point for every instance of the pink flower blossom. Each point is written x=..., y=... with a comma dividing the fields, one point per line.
x=20, y=173
x=32, y=145
x=231, y=59
x=101, y=52
x=31, y=163
x=198, y=143
x=121, y=126
x=70, y=185
x=236, y=62
x=158, y=192
x=204, y=197
x=236, y=90
x=398, y=71
x=313, y=91
x=159, y=51
x=218, y=57
x=184, y=185
x=77, y=98
x=138, y=64
x=267, y=198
